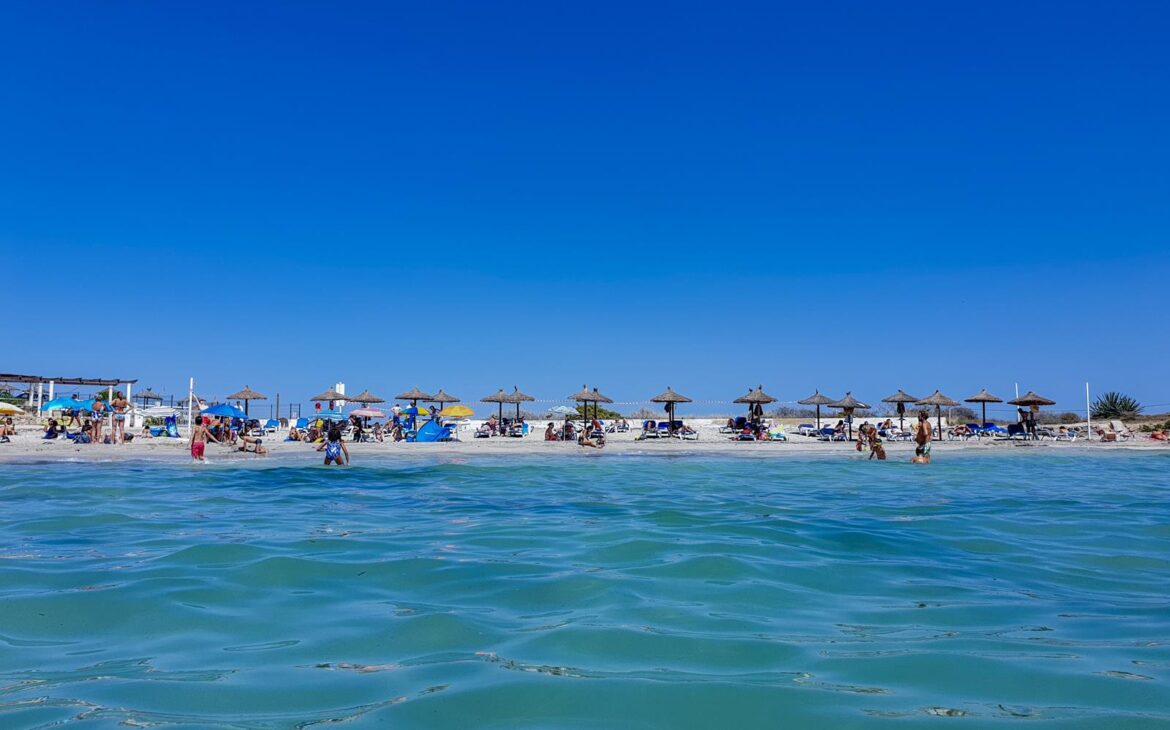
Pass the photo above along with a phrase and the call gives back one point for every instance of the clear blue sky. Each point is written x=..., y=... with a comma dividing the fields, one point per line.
x=863, y=196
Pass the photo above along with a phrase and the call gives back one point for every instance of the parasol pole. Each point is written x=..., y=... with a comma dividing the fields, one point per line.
x=938, y=414
x=1088, y=414
x=190, y=398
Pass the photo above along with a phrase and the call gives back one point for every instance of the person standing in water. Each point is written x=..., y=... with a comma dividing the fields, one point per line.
x=199, y=437
x=923, y=433
x=334, y=448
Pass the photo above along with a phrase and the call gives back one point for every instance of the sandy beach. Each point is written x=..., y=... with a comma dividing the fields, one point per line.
x=28, y=445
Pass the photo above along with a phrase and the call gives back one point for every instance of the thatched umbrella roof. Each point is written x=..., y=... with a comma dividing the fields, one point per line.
x=669, y=396
x=330, y=394
x=247, y=394
x=1031, y=399
x=443, y=397
x=589, y=396
x=816, y=399
x=366, y=397
x=848, y=402
x=517, y=397
x=414, y=394
x=498, y=397
x=586, y=396
x=757, y=396
x=984, y=397
x=899, y=397
x=937, y=399
x=145, y=395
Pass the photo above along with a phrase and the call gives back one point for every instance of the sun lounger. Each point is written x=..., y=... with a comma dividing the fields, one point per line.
x=806, y=429
x=1121, y=430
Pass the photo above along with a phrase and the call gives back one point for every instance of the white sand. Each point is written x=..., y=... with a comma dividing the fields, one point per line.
x=29, y=446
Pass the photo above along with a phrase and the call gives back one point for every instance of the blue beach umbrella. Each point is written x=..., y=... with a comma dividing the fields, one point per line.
x=224, y=409
x=60, y=403
x=330, y=415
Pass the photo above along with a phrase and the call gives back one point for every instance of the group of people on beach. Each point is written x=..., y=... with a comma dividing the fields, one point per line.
x=222, y=430
x=869, y=436
x=86, y=425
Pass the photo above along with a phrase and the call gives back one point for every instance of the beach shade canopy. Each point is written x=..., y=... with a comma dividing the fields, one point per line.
x=457, y=412
x=848, y=404
x=329, y=395
x=7, y=409
x=443, y=397
x=144, y=396
x=756, y=399
x=414, y=395
x=1031, y=399
x=246, y=395
x=671, y=399
x=586, y=396
x=224, y=409
x=984, y=397
x=498, y=397
x=901, y=398
x=818, y=400
x=517, y=397
x=366, y=397
x=367, y=413
x=61, y=403
x=938, y=400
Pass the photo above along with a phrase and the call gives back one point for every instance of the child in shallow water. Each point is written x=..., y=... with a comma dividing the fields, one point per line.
x=334, y=448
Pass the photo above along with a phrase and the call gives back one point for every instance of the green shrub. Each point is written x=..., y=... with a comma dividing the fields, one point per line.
x=1115, y=405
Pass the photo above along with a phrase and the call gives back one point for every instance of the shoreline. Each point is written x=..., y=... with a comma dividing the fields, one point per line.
x=29, y=447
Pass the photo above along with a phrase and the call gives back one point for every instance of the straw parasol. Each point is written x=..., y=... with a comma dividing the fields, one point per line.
x=246, y=395
x=329, y=395
x=938, y=400
x=818, y=400
x=1031, y=399
x=517, y=397
x=443, y=397
x=848, y=404
x=498, y=397
x=671, y=399
x=756, y=400
x=586, y=396
x=901, y=398
x=144, y=396
x=984, y=397
x=414, y=395
x=366, y=397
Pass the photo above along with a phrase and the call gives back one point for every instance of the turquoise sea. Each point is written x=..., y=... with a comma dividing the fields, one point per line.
x=589, y=591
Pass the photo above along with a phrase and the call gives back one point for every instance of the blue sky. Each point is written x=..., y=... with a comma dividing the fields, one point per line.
x=834, y=195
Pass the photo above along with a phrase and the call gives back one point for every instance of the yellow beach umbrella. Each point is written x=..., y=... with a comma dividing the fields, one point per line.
x=457, y=412
x=7, y=409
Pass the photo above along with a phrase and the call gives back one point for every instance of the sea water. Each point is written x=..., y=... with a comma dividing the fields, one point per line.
x=598, y=591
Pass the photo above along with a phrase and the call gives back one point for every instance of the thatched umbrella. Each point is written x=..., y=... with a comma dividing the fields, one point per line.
x=671, y=399
x=938, y=400
x=414, y=395
x=818, y=400
x=586, y=396
x=1034, y=402
x=144, y=396
x=498, y=397
x=848, y=404
x=756, y=400
x=517, y=397
x=366, y=397
x=443, y=398
x=330, y=396
x=984, y=397
x=246, y=395
x=901, y=399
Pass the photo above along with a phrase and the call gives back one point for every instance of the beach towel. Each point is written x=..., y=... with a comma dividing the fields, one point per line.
x=172, y=427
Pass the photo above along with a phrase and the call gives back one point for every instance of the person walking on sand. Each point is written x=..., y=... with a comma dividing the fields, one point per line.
x=334, y=448
x=923, y=433
x=120, y=406
x=199, y=437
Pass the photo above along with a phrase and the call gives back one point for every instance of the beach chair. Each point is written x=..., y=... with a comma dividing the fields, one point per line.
x=806, y=429
x=271, y=425
x=1017, y=430
x=302, y=424
x=1121, y=430
x=777, y=433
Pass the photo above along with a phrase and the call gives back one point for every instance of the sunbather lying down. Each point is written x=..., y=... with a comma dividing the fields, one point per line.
x=584, y=440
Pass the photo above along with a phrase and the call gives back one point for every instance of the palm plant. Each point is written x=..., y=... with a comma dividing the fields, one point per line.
x=1115, y=405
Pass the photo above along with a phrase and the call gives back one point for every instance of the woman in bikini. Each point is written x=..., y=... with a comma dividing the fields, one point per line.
x=120, y=405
